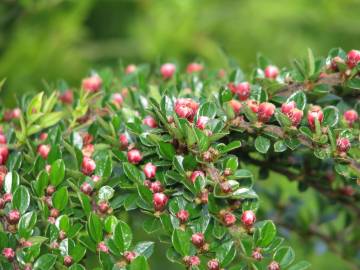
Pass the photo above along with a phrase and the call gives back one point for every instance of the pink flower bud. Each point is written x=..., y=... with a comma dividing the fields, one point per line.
x=54, y=212
x=92, y=84
x=193, y=261
x=7, y=197
x=88, y=150
x=271, y=72
x=50, y=190
x=150, y=170
x=95, y=178
x=194, y=67
x=47, y=168
x=102, y=247
x=123, y=140
x=9, y=254
x=273, y=266
x=295, y=116
x=86, y=188
x=88, y=166
x=129, y=256
x=236, y=105
x=134, y=156
x=186, y=108
x=314, y=113
x=229, y=219
x=117, y=99
x=68, y=260
x=4, y=153
x=353, y=58
x=44, y=150
x=253, y=105
x=256, y=254
x=43, y=136
x=196, y=174
x=150, y=122
x=130, y=69
x=225, y=187
x=160, y=200
x=288, y=107
x=201, y=122
x=156, y=187
x=167, y=70
x=248, y=218
x=103, y=207
x=16, y=113
x=2, y=203
x=198, y=239
x=343, y=145
x=183, y=216
x=213, y=265
x=67, y=97
x=351, y=116
x=242, y=90
x=13, y=217
x=266, y=110
x=2, y=139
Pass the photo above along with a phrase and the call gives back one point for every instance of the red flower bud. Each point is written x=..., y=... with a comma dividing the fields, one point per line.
x=50, y=190
x=194, y=67
x=123, y=140
x=343, y=145
x=198, y=239
x=295, y=116
x=7, y=197
x=87, y=138
x=67, y=97
x=129, y=256
x=253, y=105
x=167, y=70
x=186, y=108
x=196, y=174
x=201, y=122
x=256, y=254
x=273, y=266
x=117, y=99
x=229, y=219
x=9, y=254
x=248, y=218
x=44, y=150
x=88, y=166
x=236, y=105
x=160, y=200
x=4, y=153
x=102, y=247
x=183, y=216
x=225, y=187
x=156, y=187
x=271, y=72
x=92, y=84
x=2, y=139
x=150, y=122
x=13, y=217
x=134, y=156
x=130, y=69
x=353, y=58
x=68, y=260
x=242, y=90
x=351, y=116
x=150, y=170
x=86, y=188
x=213, y=265
x=103, y=207
x=54, y=212
x=314, y=113
x=265, y=111
x=288, y=107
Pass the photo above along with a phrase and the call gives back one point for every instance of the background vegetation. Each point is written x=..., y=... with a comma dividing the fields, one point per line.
x=44, y=40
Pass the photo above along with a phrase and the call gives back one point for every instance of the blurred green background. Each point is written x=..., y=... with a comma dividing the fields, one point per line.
x=44, y=40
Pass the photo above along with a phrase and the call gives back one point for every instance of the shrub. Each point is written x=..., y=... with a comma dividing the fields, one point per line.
x=177, y=148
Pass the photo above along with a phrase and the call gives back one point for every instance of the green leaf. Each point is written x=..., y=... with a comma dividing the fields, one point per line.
x=267, y=233
x=310, y=63
x=106, y=193
x=284, y=256
x=26, y=224
x=12, y=181
x=280, y=146
x=181, y=242
x=262, y=144
x=231, y=146
x=21, y=199
x=139, y=263
x=122, y=236
x=133, y=173
x=57, y=172
x=144, y=249
x=300, y=99
x=103, y=163
x=166, y=150
x=226, y=253
x=331, y=116
x=302, y=265
x=41, y=183
x=60, y=198
x=45, y=262
x=353, y=83
x=94, y=227
x=208, y=109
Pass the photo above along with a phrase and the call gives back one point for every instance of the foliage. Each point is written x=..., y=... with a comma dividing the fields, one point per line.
x=173, y=146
